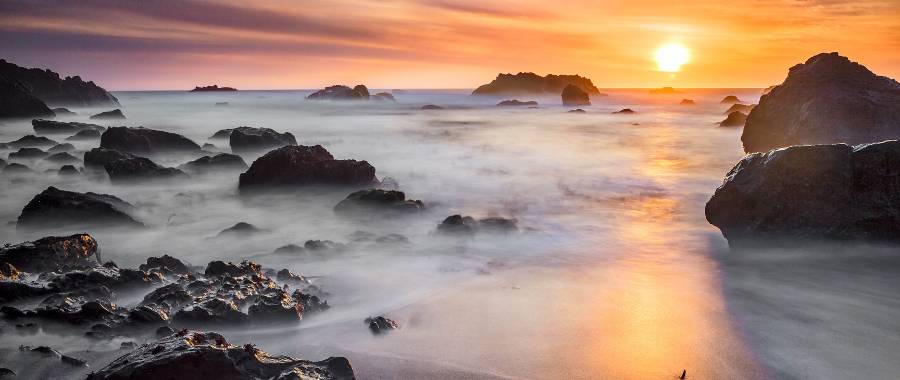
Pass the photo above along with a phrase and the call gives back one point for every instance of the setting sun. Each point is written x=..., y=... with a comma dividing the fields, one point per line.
x=671, y=57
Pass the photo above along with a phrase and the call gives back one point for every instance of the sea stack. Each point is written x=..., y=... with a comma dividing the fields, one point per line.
x=574, y=96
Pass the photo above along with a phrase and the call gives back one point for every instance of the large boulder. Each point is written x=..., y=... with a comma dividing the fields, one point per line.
x=97, y=158
x=115, y=114
x=531, y=83
x=299, y=165
x=51, y=253
x=32, y=141
x=145, y=140
x=829, y=99
x=574, y=96
x=811, y=192
x=28, y=154
x=49, y=127
x=340, y=92
x=207, y=355
x=54, y=208
x=47, y=86
x=221, y=161
x=378, y=202
x=134, y=168
x=245, y=140
x=17, y=102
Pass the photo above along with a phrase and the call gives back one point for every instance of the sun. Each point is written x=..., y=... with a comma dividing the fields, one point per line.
x=670, y=57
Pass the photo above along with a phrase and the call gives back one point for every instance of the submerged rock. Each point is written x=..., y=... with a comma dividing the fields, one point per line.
x=115, y=114
x=574, y=96
x=17, y=102
x=467, y=225
x=54, y=208
x=240, y=229
x=517, y=103
x=432, y=107
x=145, y=140
x=577, y=110
x=339, y=92
x=51, y=253
x=221, y=161
x=248, y=140
x=625, y=111
x=531, y=83
x=299, y=165
x=377, y=201
x=47, y=86
x=734, y=119
x=51, y=127
x=829, y=99
x=811, y=192
x=68, y=170
x=381, y=325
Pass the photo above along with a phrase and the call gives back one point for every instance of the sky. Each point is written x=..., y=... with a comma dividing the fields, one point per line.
x=265, y=44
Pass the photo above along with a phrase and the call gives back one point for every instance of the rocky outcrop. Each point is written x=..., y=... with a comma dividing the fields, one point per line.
x=219, y=162
x=51, y=253
x=134, y=169
x=734, y=119
x=467, y=225
x=207, y=355
x=115, y=114
x=50, y=127
x=249, y=140
x=144, y=140
x=31, y=141
x=212, y=88
x=340, y=92
x=299, y=165
x=829, y=99
x=574, y=96
x=27, y=154
x=381, y=325
x=517, y=103
x=55, y=208
x=384, y=96
x=730, y=99
x=47, y=86
x=17, y=102
x=811, y=192
x=378, y=202
x=531, y=83
x=740, y=108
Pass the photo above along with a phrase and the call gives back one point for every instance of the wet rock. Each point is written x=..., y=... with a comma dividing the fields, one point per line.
x=64, y=112
x=51, y=127
x=730, y=99
x=15, y=290
x=802, y=193
x=287, y=277
x=59, y=148
x=339, y=92
x=221, y=161
x=135, y=169
x=384, y=96
x=740, y=108
x=115, y=114
x=213, y=88
x=41, y=350
x=687, y=102
x=144, y=140
x=166, y=265
x=32, y=141
x=51, y=253
x=87, y=134
x=240, y=229
x=55, y=208
x=9, y=272
x=148, y=315
x=172, y=297
x=305, y=165
x=577, y=110
x=432, y=107
x=625, y=111
x=828, y=99
x=277, y=306
x=199, y=355
x=221, y=268
x=62, y=158
x=466, y=225
x=47, y=86
x=67, y=170
x=531, y=83
x=381, y=325
x=574, y=96
x=16, y=101
x=517, y=103
x=734, y=119
x=213, y=311
x=27, y=154
x=248, y=140
x=365, y=202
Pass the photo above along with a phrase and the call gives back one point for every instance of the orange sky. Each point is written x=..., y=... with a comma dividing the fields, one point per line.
x=439, y=43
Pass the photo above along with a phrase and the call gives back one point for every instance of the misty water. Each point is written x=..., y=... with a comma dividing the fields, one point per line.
x=615, y=273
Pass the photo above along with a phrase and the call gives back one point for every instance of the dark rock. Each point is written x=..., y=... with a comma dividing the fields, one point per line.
x=65, y=147
x=340, y=92
x=27, y=154
x=384, y=96
x=432, y=107
x=14, y=290
x=63, y=158
x=290, y=249
x=207, y=147
x=61, y=111
x=278, y=306
x=6, y=373
x=829, y=99
x=16, y=101
x=164, y=331
x=248, y=140
x=51, y=127
x=134, y=169
x=531, y=83
x=734, y=119
x=811, y=192
x=221, y=161
x=2, y=163
x=87, y=134
x=466, y=225
x=145, y=140
x=378, y=201
x=16, y=168
x=51, y=253
x=577, y=110
x=54, y=208
x=97, y=158
x=286, y=276
x=517, y=103
x=128, y=345
x=73, y=361
x=305, y=165
x=32, y=141
x=47, y=86
x=215, y=311
x=740, y=108
x=625, y=111
x=322, y=245
x=41, y=350
x=115, y=114
x=166, y=264
x=220, y=268
x=199, y=355
x=664, y=91
x=212, y=88
x=9, y=272
x=687, y=102
x=730, y=99
x=241, y=229
x=574, y=96
x=68, y=170
x=381, y=325
x=152, y=314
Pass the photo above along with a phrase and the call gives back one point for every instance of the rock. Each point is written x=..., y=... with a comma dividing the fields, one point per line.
x=221, y=104
x=740, y=108
x=97, y=158
x=300, y=165
x=135, y=169
x=626, y=111
x=164, y=331
x=290, y=249
x=73, y=361
x=531, y=83
x=240, y=229
x=17, y=102
x=829, y=99
x=730, y=99
x=16, y=168
x=8, y=272
x=64, y=147
x=288, y=277
x=322, y=245
x=517, y=103
x=687, y=102
x=51, y=253
x=61, y=111
x=6, y=373
x=664, y=91
x=63, y=158
x=219, y=162
x=67, y=170
x=248, y=140
x=32, y=141
x=207, y=355
x=377, y=201
x=574, y=96
x=734, y=119
x=87, y=134
x=811, y=192
x=128, y=345
x=27, y=154
x=221, y=268
x=166, y=264
x=51, y=127
x=212, y=88
x=381, y=325
x=145, y=140
x=384, y=96
x=339, y=92
x=207, y=147
x=577, y=110
x=466, y=225
x=432, y=107
x=115, y=114
x=54, y=208
x=47, y=86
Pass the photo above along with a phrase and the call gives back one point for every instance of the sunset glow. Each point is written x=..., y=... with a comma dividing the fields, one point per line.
x=671, y=57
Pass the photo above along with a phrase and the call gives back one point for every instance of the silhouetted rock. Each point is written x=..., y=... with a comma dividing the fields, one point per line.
x=54, y=208
x=61, y=111
x=50, y=127
x=248, y=140
x=28, y=154
x=17, y=102
x=432, y=107
x=68, y=170
x=32, y=141
x=221, y=161
x=625, y=111
x=384, y=96
x=574, y=96
x=87, y=134
x=51, y=89
x=744, y=108
x=734, y=119
x=133, y=168
x=377, y=201
x=59, y=148
x=687, y=102
x=97, y=158
x=63, y=158
x=115, y=114
x=51, y=253
x=381, y=325
x=829, y=99
x=145, y=140
x=207, y=355
x=811, y=192
x=166, y=264
x=212, y=88
x=299, y=165
x=466, y=225
x=240, y=229
x=517, y=103
x=531, y=83
x=730, y=99
x=339, y=92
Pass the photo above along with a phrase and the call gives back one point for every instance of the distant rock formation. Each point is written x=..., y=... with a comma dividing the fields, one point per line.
x=145, y=140
x=17, y=102
x=730, y=99
x=687, y=102
x=531, y=83
x=664, y=91
x=47, y=86
x=811, y=192
x=340, y=92
x=517, y=103
x=734, y=119
x=828, y=99
x=212, y=88
x=432, y=107
x=625, y=111
x=299, y=165
x=115, y=114
x=384, y=96
x=574, y=96
x=740, y=107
